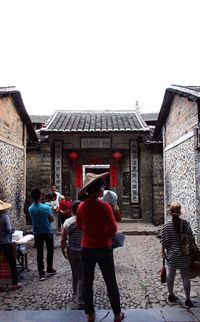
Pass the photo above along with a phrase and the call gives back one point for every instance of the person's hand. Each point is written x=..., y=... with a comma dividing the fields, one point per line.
x=64, y=252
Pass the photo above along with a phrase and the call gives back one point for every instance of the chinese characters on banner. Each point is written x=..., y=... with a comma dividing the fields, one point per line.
x=113, y=176
x=134, y=172
x=78, y=176
x=95, y=143
x=58, y=165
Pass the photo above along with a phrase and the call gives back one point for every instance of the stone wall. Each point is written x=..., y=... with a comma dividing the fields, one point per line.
x=180, y=176
x=12, y=182
x=12, y=161
x=38, y=169
x=158, y=184
x=145, y=166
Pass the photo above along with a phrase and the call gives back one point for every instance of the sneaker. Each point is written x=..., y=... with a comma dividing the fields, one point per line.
x=172, y=298
x=91, y=317
x=119, y=318
x=189, y=303
x=42, y=278
x=52, y=272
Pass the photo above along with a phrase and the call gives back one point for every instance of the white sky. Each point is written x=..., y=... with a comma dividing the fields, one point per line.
x=105, y=54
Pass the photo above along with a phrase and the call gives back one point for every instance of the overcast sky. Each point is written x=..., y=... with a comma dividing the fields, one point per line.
x=105, y=54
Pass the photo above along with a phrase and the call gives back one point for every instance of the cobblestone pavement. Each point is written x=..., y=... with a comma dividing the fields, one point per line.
x=137, y=269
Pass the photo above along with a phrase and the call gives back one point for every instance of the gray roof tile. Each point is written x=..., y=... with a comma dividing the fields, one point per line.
x=101, y=121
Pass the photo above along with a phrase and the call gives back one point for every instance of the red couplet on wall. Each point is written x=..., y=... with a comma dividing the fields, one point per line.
x=78, y=176
x=113, y=176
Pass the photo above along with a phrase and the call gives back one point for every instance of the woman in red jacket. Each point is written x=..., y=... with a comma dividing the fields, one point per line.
x=95, y=219
x=65, y=207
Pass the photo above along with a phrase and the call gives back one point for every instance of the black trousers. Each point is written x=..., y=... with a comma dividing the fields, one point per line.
x=7, y=250
x=104, y=258
x=40, y=239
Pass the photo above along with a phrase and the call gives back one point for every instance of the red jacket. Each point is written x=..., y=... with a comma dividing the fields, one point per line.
x=96, y=220
x=65, y=206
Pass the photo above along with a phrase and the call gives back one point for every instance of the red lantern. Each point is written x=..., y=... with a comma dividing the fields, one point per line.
x=73, y=156
x=117, y=156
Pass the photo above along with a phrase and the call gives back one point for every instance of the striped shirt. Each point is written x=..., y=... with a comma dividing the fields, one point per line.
x=171, y=241
x=74, y=234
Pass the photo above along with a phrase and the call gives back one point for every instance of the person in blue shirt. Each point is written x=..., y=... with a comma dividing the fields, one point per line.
x=41, y=220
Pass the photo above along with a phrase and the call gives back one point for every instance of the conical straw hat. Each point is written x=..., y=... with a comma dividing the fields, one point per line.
x=90, y=179
x=4, y=205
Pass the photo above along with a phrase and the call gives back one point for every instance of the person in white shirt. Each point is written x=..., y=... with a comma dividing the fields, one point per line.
x=59, y=197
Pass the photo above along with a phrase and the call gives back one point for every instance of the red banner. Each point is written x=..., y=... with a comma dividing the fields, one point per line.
x=113, y=176
x=78, y=176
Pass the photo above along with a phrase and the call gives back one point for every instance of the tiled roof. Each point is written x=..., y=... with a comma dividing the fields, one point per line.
x=150, y=117
x=39, y=118
x=188, y=90
x=100, y=121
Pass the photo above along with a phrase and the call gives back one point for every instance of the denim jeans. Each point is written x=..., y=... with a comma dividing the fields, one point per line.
x=39, y=243
x=104, y=258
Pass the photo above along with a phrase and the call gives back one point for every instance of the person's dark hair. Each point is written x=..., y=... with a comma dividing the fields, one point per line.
x=49, y=195
x=36, y=194
x=83, y=197
x=176, y=222
x=75, y=205
x=67, y=193
x=96, y=186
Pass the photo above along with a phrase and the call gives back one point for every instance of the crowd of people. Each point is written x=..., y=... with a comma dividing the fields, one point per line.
x=88, y=226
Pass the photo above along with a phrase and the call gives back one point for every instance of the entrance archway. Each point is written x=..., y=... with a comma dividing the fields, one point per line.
x=97, y=169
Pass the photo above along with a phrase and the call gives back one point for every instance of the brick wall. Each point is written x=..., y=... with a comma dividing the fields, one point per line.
x=11, y=126
x=182, y=118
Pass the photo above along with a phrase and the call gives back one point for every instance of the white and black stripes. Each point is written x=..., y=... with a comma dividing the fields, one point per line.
x=171, y=241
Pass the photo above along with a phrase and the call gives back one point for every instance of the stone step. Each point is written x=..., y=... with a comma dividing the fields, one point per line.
x=131, y=315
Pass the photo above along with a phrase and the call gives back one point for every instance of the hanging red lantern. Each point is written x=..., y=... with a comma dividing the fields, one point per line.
x=117, y=156
x=73, y=156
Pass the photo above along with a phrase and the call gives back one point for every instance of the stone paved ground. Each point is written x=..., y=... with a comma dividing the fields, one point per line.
x=137, y=269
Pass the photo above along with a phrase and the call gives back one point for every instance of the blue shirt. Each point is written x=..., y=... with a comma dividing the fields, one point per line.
x=40, y=214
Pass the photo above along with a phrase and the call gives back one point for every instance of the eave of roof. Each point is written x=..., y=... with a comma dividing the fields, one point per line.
x=94, y=122
x=19, y=105
x=190, y=92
